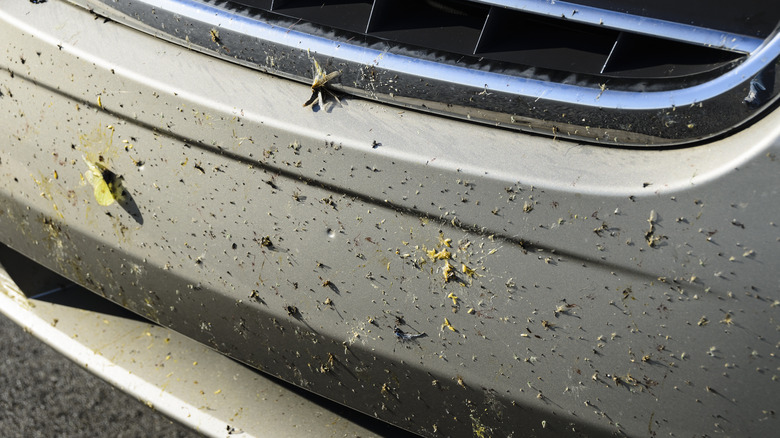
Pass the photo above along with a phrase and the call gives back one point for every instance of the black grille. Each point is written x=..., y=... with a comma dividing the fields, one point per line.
x=509, y=35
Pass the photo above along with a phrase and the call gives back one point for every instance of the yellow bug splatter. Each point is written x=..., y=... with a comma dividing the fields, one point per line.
x=453, y=298
x=106, y=191
x=449, y=272
x=445, y=242
x=441, y=255
x=448, y=325
x=468, y=271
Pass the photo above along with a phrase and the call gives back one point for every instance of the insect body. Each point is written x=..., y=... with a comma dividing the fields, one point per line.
x=400, y=334
x=318, y=85
x=107, y=186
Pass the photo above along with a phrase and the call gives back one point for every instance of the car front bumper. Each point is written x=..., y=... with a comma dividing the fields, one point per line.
x=563, y=288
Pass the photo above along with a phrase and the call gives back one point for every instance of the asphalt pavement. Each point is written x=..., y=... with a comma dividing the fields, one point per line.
x=43, y=394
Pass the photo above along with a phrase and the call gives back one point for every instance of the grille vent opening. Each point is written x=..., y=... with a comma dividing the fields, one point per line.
x=493, y=33
x=349, y=15
x=453, y=26
x=646, y=57
x=512, y=36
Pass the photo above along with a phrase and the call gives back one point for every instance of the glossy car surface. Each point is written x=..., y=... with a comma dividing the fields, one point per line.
x=450, y=278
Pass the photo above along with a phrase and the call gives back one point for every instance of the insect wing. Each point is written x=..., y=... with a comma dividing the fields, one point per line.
x=103, y=193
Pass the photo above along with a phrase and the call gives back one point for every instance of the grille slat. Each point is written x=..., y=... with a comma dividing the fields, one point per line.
x=259, y=4
x=631, y=20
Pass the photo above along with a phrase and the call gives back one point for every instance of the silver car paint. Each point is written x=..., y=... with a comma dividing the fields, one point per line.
x=613, y=291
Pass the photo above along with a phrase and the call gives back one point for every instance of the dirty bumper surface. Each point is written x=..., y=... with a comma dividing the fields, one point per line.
x=177, y=376
x=441, y=276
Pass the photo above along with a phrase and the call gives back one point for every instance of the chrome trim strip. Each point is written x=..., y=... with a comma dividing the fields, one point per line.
x=618, y=117
x=633, y=23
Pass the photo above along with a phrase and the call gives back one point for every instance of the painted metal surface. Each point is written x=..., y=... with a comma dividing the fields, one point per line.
x=187, y=381
x=563, y=289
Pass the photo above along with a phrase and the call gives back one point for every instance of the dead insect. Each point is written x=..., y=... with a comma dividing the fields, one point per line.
x=266, y=242
x=329, y=201
x=563, y=309
x=400, y=334
x=321, y=78
x=214, y=34
x=255, y=295
x=106, y=184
